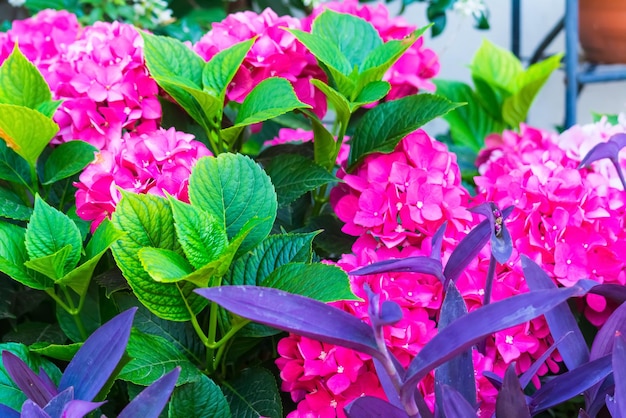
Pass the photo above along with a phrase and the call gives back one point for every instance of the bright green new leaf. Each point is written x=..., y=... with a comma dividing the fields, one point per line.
x=230, y=134
x=56, y=351
x=322, y=282
x=497, y=66
x=293, y=175
x=51, y=265
x=200, y=399
x=26, y=131
x=372, y=92
x=253, y=394
x=384, y=126
x=325, y=146
x=21, y=83
x=48, y=231
x=13, y=255
x=152, y=357
x=201, y=236
x=67, y=159
x=12, y=207
x=49, y=108
x=164, y=266
x=220, y=70
x=13, y=168
x=338, y=100
x=234, y=189
x=270, y=98
x=148, y=222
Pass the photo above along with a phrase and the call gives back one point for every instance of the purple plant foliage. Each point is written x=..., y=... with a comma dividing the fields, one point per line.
x=455, y=404
x=150, y=402
x=619, y=373
x=511, y=401
x=33, y=386
x=7, y=412
x=371, y=407
x=609, y=149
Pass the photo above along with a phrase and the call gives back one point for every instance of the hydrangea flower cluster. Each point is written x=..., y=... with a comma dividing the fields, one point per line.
x=155, y=163
x=413, y=71
x=98, y=71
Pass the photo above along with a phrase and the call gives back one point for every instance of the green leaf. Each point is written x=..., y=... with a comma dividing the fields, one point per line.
x=180, y=335
x=51, y=265
x=12, y=207
x=528, y=84
x=91, y=315
x=13, y=255
x=294, y=175
x=13, y=168
x=372, y=92
x=253, y=394
x=56, y=351
x=325, y=146
x=10, y=394
x=384, y=126
x=338, y=100
x=35, y=333
x=67, y=159
x=200, y=399
x=201, y=235
x=497, y=66
x=148, y=222
x=331, y=240
x=275, y=251
x=323, y=282
x=49, y=231
x=270, y=98
x=21, y=83
x=220, y=70
x=26, y=131
x=234, y=189
x=470, y=124
x=49, y=108
x=152, y=357
x=169, y=58
x=164, y=266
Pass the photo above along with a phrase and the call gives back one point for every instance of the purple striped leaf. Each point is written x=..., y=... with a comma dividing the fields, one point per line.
x=295, y=313
x=511, y=401
x=416, y=264
x=615, y=292
x=560, y=320
x=467, y=250
x=501, y=242
x=7, y=412
x=31, y=410
x=476, y=325
x=527, y=376
x=618, y=360
x=604, y=339
x=78, y=408
x=151, y=401
x=611, y=405
x=32, y=385
x=98, y=357
x=493, y=378
x=606, y=387
x=55, y=407
x=385, y=381
x=371, y=407
x=572, y=383
x=437, y=241
x=455, y=404
x=610, y=150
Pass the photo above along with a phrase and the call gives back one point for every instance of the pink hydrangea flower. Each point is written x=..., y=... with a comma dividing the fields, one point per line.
x=157, y=163
x=276, y=53
x=413, y=71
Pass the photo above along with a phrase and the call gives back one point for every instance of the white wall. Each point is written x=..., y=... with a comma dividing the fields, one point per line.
x=458, y=43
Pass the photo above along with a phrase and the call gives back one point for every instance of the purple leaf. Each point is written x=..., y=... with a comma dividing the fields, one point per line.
x=7, y=412
x=371, y=407
x=619, y=140
x=602, y=150
x=80, y=409
x=511, y=401
x=47, y=382
x=604, y=339
x=457, y=372
x=606, y=387
x=96, y=360
x=527, y=376
x=435, y=250
x=32, y=385
x=583, y=414
x=465, y=331
x=493, y=378
x=502, y=245
x=619, y=373
x=455, y=404
x=567, y=385
x=390, y=313
x=151, y=401
x=560, y=320
x=31, y=410
x=297, y=314
x=385, y=381
x=467, y=250
x=387, y=314
x=615, y=292
x=416, y=264
x=55, y=407
x=611, y=405
x=501, y=242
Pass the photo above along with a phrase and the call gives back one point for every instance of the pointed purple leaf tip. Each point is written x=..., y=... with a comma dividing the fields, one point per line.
x=33, y=386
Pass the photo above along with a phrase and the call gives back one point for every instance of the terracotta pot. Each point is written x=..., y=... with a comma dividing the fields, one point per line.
x=602, y=30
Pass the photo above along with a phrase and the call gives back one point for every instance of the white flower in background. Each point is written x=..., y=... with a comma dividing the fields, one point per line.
x=17, y=3
x=156, y=10
x=474, y=8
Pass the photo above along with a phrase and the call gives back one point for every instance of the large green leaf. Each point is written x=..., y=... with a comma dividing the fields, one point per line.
x=294, y=175
x=147, y=221
x=10, y=394
x=220, y=70
x=13, y=255
x=13, y=168
x=200, y=234
x=200, y=399
x=92, y=315
x=234, y=189
x=253, y=394
x=497, y=66
x=152, y=357
x=384, y=126
x=49, y=231
x=21, y=83
x=26, y=131
x=323, y=282
x=169, y=58
x=270, y=98
x=164, y=266
x=372, y=92
x=56, y=351
x=12, y=207
x=51, y=265
x=67, y=159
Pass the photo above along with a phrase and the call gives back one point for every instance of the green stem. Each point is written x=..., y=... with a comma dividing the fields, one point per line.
x=210, y=343
x=75, y=312
x=58, y=300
